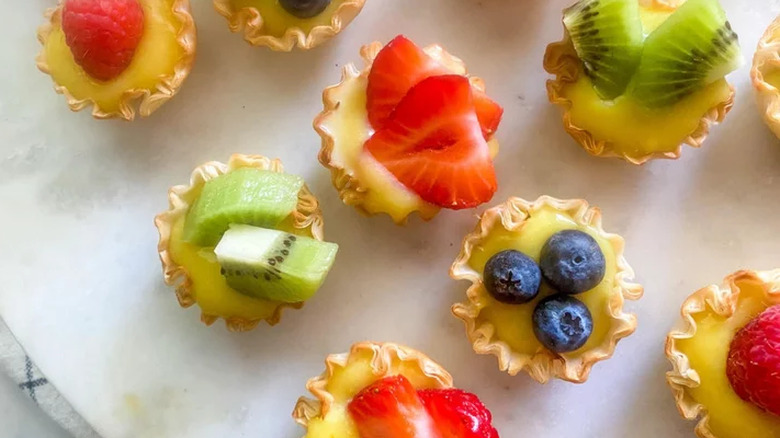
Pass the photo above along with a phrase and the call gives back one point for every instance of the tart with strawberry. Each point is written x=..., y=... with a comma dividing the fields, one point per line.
x=725, y=356
x=547, y=288
x=382, y=390
x=410, y=132
x=118, y=56
x=283, y=25
x=766, y=76
x=639, y=79
x=243, y=240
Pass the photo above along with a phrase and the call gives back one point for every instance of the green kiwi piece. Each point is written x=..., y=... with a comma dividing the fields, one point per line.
x=693, y=48
x=244, y=196
x=274, y=265
x=608, y=37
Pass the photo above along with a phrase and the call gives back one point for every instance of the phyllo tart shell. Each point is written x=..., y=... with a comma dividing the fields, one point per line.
x=766, y=64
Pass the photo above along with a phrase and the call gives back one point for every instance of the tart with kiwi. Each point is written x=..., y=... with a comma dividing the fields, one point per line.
x=243, y=240
x=725, y=355
x=409, y=132
x=381, y=390
x=121, y=57
x=283, y=25
x=547, y=290
x=639, y=79
x=766, y=76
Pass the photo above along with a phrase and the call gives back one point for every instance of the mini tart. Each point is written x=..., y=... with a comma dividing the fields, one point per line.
x=266, y=23
x=698, y=350
x=346, y=374
x=506, y=330
x=187, y=270
x=344, y=127
x=766, y=76
x=688, y=122
x=169, y=35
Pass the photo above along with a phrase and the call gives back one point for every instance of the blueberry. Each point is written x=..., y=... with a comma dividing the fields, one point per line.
x=572, y=262
x=512, y=277
x=562, y=323
x=304, y=8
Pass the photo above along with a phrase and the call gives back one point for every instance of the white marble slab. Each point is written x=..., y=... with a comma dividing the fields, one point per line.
x=82, y=287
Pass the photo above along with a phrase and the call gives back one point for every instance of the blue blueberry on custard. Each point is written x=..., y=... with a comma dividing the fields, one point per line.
x=304, y=8
x=572, y=262
x=562, y=323
x=512, y=277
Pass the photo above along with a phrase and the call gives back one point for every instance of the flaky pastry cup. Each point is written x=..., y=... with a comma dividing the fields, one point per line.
x=351, y=191
x=383, y=358
x=714, y=299
x=766, y=61
x=251, y=21
x=137, y=99
x=542, y=365
x=306, y=217
x=561, y=60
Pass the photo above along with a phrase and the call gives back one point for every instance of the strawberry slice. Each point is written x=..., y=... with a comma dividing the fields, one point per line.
x=458, y=414
x=433, y=145
x=390, y=408
x=401, y=65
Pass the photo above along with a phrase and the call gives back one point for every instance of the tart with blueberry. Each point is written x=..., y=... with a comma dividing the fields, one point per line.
x=410, y=132
x=547, y=288
x=243, y=240
x=283, y=25
x=118, y=56
x=639, y=79
x=725, y=356
x=381, y=390
x=766, y=75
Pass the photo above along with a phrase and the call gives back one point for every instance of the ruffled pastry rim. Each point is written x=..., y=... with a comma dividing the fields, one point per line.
x=768, y=96
x=351, y=191
x=544, y=365
x=250, y=20
x=307, y=409
x=722, y=300
x=307, y=216
x=166, y=88
x=561, y=60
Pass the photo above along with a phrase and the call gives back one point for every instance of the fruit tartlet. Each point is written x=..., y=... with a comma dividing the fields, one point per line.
x=243, y=240
x=118, y=56
x=283, y=25
x=409, y=132
x=725, y=356
x=381, y=390
x=547, y=288
x=639, y=79
x=766, y=75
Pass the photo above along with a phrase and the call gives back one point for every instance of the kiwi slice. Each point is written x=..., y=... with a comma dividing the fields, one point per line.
x=274, y=265
x=608, y=37
x=245, y=196
x=693, y=48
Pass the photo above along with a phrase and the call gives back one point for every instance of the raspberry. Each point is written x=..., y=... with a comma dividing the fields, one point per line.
x=103, y=34
x=753, y=366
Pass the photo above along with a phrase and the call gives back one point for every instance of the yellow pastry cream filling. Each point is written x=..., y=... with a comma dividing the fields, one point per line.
x=276, y=20
x=513, y=323
x=156, y=56
x=347, y=381
x=707, y=351
x=632, y=129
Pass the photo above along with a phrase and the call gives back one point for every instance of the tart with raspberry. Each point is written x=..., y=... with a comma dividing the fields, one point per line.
x=410, y=132
x=283, y=25
x=243, y=240
x=547, y=290
x=638, y=79
x=766, y=76
x=381, y=390
x=725, y=356
x=118, y=56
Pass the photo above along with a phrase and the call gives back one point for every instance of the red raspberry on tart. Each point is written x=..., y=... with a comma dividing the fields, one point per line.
x=410, y=132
